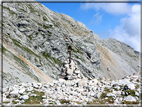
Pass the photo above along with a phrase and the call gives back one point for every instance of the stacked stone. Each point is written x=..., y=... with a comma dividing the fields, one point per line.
x=70, y=71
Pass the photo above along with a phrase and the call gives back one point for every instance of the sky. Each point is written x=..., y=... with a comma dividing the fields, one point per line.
x=120, y=21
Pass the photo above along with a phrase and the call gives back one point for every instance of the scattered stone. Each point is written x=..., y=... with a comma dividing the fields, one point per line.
x=24, y=97
x=110, y=95
x=71, y=91
x=131, y=86
x=129, y=98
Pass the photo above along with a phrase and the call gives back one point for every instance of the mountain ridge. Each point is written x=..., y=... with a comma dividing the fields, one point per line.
x=41, y=37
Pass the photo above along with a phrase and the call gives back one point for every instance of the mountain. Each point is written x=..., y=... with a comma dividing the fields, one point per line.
x=36, y=41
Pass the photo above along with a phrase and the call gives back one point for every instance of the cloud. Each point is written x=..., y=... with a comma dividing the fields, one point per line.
x=97, y=18
x=113, y=8
x=129, y=29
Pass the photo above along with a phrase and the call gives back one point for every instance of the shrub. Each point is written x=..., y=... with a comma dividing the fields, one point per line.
x=103, y=95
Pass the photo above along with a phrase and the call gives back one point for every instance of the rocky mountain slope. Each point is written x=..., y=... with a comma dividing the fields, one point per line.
x=35, y=47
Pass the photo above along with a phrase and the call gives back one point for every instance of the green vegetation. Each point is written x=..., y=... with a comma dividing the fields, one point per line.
x=103, y=95
x=87, y=41
x=106, y=89
x=20, y=62
x=17, y=43
x=14, y=102
x=39, y=24
x=129, y=102
x=76, y=50
x=6, y=102
x=79, y=58
x=55, y=24
x=36, y=33
x=30, y=37
x=137, y=86
x=10, y=11
x=31, y=8
x=6, y=8
x=131, y=92
x=49, y=58
x=23, y=10
x=35, y=99
x=137, y=80
x=109, y=100
x=131, y=80
x=78, y=102
x=62, y=101
x=47, y=27
x=44, y=18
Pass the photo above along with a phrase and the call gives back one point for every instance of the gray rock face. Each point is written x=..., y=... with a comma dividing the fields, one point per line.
x=36, y=40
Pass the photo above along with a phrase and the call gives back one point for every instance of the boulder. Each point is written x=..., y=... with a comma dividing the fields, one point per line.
x=34, y=85
x=136, y=93
x=69, y=71
x=24, y=97
x=84, y=93
x=131, y=86
x=129, y=98
x=81, y=83
x=97, y=95
x=14, y=92
x=69, y=77
x=110, y=95
x=77, y=71
x=21, y=91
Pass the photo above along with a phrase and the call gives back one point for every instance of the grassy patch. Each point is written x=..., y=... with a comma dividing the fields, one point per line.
x=6, y=102
x=47, y=27
x=102, y=101
x=31, y=8
x=56, y=61
x=14, y=102
x=17, y=43
x=137, y=86
x=79, y=58
x=76, y=50
x=8, y=96
x=131, y=80
x=115, y=89
x=62, y=101
x=103, y=95
x=44, y=18
x=23, y=10
x=130, y=92
x=35, y=99
x=78, y=102
x=129, y=102
x=30, y=37
x=87, y=41
x=106, y=89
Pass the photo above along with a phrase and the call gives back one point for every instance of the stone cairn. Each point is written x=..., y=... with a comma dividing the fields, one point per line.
x=70, y=71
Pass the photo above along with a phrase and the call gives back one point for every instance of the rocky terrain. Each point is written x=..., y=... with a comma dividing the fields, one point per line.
x=35, y=47
x=76, y=92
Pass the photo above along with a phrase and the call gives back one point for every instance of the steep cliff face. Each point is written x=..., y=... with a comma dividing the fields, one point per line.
x=36, y=40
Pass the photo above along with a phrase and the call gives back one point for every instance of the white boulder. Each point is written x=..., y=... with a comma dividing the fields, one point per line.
x=129, y=98
x=131, y=86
